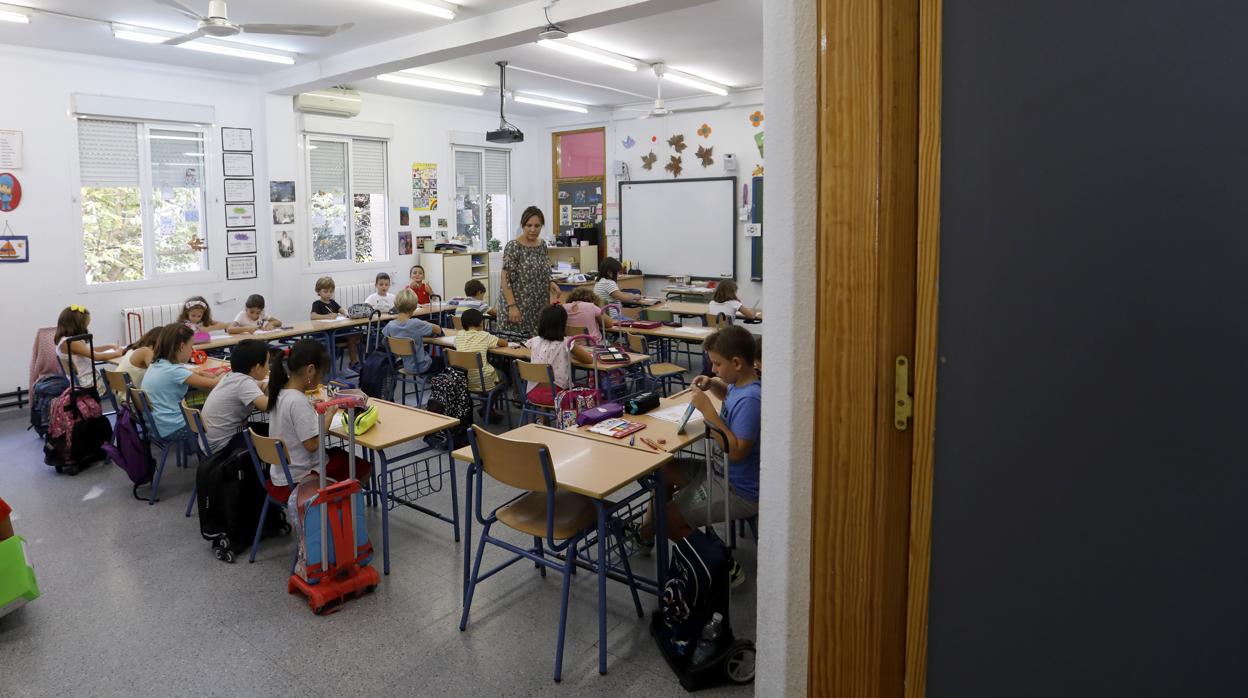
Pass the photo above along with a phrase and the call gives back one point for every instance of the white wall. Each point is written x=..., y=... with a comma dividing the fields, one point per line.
x=422, y=133
x=36, y=102
x=731, y=132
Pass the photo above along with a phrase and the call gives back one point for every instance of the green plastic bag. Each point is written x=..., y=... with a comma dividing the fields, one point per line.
x=17, y=576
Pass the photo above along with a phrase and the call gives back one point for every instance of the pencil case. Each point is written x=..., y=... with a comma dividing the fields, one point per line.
x=642, y=403
x=593, y=415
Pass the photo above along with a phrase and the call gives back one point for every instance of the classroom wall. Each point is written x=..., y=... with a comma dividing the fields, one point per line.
x=422, y=133
x=730, y=132
x=37, y=101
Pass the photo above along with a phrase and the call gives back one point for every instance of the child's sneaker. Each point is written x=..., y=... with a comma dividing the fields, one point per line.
x=736, y=576
x=632, y=534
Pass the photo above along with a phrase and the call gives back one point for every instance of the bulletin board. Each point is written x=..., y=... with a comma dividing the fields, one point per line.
x=585, y=201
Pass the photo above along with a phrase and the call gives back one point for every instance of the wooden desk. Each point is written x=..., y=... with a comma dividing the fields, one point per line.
x=682, y=292
x=397, y=425
x=659, y=428
x=627, y=282
x=447, y=341
x=307, y=327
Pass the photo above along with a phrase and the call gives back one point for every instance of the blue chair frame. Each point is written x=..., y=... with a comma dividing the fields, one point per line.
x=484, y=397
x=530, y=411
x=402, y=377
x=139, y=402
x=283, y=459
x=195, y=422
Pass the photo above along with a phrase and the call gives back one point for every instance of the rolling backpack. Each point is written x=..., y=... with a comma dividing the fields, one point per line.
x=45, y=390
x=129, y=452
x=77, y=431
x=448, y=395
x=230, y=497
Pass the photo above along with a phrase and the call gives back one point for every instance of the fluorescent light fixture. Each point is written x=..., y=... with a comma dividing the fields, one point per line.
x=538, y=101
x=14, y=16
x=150, y=36
x=695, y=83
x=428, y=8
x=413, y=80
x=590, y=53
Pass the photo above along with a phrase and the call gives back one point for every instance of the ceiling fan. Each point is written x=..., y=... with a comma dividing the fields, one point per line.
x=660, y=108
x=217, y=24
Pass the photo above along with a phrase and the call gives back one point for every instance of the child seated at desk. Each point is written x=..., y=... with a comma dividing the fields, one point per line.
x=295, y=422
x=415, y=329
x=726, y=302
x=473, y=338
x=198, y=316
x=549, y=347
x=326, y=308
x=137, y=358
x=237, y=395
x=732, y=356
x=419, y=286
x=252, y=319
x=608, y=289
x=168, y=379
x=583, y=311
x=73, y=321
x=474, y=292
x=382, y=300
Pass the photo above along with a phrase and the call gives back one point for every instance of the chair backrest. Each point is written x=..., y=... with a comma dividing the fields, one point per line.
x=468, y=361
x=542, y=374
x=268, y=451
x=402, y=346
x=195, y=422
x=657, y=315
x=457, y=321
x=67, y=369
x=718, y=320
x=524, y=465
x=142, y=406
x=574, y=330
x=637, y=344
x=117, y=381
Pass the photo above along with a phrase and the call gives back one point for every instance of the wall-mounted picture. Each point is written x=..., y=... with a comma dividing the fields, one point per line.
x=421, y=241
x=236, y=165
x=285, y=245
x=14, y=248
x=240, y=242
x=442, y=223
x=426, y=221
x=283, y=214
x=238, y=139
x=405, y=242
x=240, y=215
x=405, y=217
x=281, y=191
x=240, y=191
x=240, y=267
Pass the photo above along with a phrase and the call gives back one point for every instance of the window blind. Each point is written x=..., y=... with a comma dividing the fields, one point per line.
x=467, y=170
x=177, y=158
x=496, y=172
x=327, y=165
x=108, y=153
x=368, y=167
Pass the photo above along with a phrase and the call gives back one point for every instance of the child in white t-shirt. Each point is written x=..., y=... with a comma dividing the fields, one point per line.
x=726, y=302
x=253, y=318
x=382, y=300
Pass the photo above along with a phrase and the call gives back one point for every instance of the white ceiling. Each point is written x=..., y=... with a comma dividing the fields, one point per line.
x=375, y=21
x=721, y=41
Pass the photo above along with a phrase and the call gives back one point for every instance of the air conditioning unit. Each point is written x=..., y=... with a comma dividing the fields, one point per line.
x=333, y=101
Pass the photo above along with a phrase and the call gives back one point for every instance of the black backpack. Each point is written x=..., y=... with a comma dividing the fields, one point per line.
x=448, y=395
x=377, y=371
x=45, y=390
x=230, y=497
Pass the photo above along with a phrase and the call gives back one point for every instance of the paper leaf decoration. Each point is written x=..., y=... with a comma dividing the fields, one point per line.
x=654, y=139
x=756, y=118
x=758, y=171
x=677, y=142
x=196, y=244
x=647, y=161
x=704, y=130
x=673, y=166
x=628, y=143
x=705, y=154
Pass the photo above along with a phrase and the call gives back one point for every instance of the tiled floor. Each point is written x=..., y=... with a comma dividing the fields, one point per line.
x=134, y=603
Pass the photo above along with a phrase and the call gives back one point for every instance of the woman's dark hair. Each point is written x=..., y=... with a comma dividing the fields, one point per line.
x=529, y=213
x=255, y=300
x=196, y=302
x=725, y=291
x=305, y=352
x=170, y=339
x=71, y=322
x=248, y=354
x=610, y=268
x=551, y=323
x=472, y=318
x=147, y=340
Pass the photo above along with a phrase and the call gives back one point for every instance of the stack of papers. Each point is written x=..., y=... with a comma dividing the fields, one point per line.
x=675, y=413
x=694, y=331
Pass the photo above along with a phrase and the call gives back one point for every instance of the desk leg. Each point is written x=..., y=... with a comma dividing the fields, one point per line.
x=602, y=585
x=454, y=483
x=332, y=337
x=468, y=523
x=660, y=529
x=385, y=512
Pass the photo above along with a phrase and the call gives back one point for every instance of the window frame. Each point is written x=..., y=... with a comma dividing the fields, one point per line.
x=509, y=230
x=151, y=278
x=349, y=264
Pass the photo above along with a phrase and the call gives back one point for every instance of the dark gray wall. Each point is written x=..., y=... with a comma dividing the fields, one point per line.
x=1090, y=524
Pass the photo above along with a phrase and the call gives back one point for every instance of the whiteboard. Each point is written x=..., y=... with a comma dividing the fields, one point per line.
x=680, y=226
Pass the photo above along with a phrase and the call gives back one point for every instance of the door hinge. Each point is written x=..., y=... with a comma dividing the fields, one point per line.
x=903, y=404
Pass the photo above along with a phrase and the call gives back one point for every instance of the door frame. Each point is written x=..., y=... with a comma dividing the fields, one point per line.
x=879, y=73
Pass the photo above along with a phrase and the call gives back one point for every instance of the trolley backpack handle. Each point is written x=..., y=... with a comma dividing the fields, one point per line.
x=69, y=355
x=342, y=401
x=710, y=432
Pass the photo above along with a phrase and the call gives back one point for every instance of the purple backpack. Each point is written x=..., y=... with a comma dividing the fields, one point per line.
x=130, y=453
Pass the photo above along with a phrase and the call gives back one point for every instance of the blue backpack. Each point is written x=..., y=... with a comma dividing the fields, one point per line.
x=377, y=372
x=45, y=390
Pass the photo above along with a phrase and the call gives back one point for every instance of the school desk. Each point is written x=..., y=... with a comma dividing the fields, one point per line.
x=657, y=429
x=310, y=327
x=596, y=470
x=413, y=476
x=680, y=293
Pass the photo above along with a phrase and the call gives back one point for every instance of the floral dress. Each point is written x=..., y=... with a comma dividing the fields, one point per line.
x=528, y=273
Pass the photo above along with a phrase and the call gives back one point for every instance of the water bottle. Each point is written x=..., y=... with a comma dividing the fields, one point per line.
x=710, y=639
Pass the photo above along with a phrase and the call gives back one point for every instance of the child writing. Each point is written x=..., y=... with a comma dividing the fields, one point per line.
x=295, y=422
x=409, y=327
x=237, y=395
x=548, y=347
x=474, y=298
x=198, y=316
x=473, y=338
x=422, y=290
x=382, y=299
x=326, y=308
x=73, y=321
x=252, y=319
x=608, y=289
x=725, y=301
x=137, y=358
x=168, y=379
x=583, y=311
x=736, y=384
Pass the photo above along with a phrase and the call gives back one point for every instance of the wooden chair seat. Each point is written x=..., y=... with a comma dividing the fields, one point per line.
x=664, y=370
x=573, y=514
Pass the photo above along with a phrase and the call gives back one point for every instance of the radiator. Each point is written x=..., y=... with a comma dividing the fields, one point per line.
x=350, y=294
x=496, y=284
x=141, y=319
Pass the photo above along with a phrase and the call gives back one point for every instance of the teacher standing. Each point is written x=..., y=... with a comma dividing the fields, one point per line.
x=525, y=281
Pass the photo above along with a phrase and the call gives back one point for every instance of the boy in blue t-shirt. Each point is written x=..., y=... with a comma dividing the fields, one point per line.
x=732, y=354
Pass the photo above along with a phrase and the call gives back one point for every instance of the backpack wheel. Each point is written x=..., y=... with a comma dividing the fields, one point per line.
x=739, y=664
x=224, y=555
x=285, y=529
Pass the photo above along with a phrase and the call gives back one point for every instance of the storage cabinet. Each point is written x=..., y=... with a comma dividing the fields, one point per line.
x=448, y=272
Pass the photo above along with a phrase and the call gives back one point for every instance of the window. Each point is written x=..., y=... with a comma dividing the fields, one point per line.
x=347, y=206
x=579, y=182
x=142, y=200
x=483, y=196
